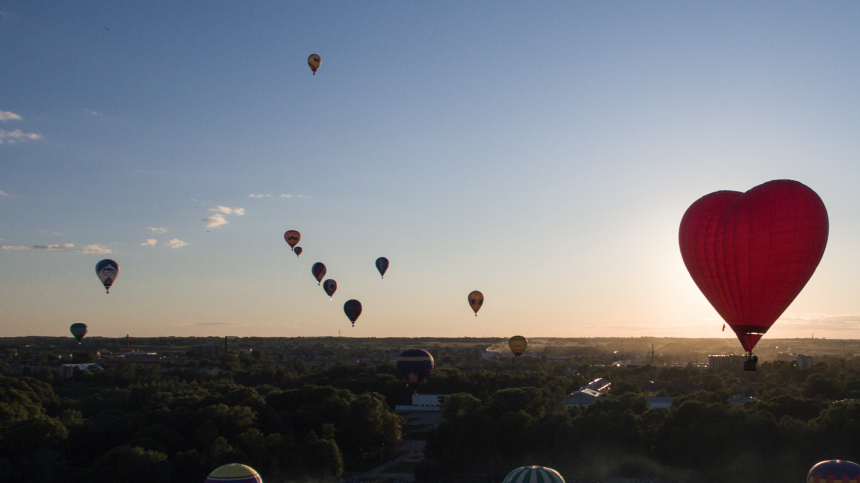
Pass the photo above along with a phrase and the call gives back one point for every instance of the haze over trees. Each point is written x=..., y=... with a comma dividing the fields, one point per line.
x=294, y=421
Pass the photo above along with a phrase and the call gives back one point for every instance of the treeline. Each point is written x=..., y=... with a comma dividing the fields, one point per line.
x=138, y=424
x=798, y=417
x=299, y=422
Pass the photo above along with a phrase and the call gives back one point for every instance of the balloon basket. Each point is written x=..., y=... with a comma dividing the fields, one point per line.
x=750, y=362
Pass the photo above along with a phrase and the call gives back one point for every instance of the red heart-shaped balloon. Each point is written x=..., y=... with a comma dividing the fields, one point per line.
x=752, y=253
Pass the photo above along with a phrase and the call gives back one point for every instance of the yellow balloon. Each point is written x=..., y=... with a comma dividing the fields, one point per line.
x=518, y=344
x=314, y=62
x=476, y=300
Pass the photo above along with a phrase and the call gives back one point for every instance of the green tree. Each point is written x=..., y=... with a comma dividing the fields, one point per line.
x=130, y=465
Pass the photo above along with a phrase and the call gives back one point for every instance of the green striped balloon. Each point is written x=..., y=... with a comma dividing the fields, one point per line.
x=533, y=474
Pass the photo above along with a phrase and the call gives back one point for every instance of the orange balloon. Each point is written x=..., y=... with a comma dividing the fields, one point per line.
x=476, y=300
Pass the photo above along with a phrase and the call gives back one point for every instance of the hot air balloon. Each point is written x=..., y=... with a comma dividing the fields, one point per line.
x=107, y=270
x=834, y=471
x=292, y=238
x=319, y=271
x=752, y=253
x=352, y=309
x=330, y=286
x=234, y=473
x=314, y=62
x=518, y=344
x=533, y=474
x=414, y=365
x=382, y=265
x=79, y=331
x=298, y=250
x=476, y=300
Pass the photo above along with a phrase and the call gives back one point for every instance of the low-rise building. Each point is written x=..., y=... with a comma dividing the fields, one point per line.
x=68, y=370
x=589, y=393
x=424, y=402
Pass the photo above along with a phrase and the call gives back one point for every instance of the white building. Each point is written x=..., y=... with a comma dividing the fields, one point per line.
x=803, y=361
x=424, y=402
x=589, y=393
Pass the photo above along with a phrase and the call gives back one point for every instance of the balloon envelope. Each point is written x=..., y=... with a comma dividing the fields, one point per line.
x=318, y=270
x=382, y=265
x=234, y=473
x=476, y=300
x=833, y=471
x=107, y=271
x=518, y=344
x=314, y=62
x=533, y=474
x=352, y=309
x=292, y=238
x=330, y=286
x=752, y=253
x=298, y=250
x=415, y=365
x=78, y=330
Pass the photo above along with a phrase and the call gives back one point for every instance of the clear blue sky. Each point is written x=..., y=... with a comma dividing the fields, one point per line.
x=543, y=154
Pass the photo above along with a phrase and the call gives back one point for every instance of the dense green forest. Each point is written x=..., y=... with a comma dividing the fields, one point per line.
x=299, y=422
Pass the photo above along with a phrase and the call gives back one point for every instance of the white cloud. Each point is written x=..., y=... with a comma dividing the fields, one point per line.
x=149, y=242
x=288, y=195
x=228, y=211
x=15, y=247
x=10, y=137
x=64, y=246
x=157, y=229
x=3, y=193
x=252, y=195
x=214, y=220
x=176, y=243
x=9, y=116
x=95, y=249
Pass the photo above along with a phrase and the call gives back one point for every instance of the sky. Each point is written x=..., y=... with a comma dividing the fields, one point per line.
x=543, y=154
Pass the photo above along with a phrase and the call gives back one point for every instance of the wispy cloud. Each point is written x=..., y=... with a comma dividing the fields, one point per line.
x=252, y=195
x=214, y=220
x=94, y=113
x=157, y=229
x=288, y=195
x=69, y=247
x=149, y=242
x=64, y=246
x=9, y=116
x=11, y=137
x=95, y=249
x=3, y=193
x=228, y=211
x=824, y=321
x=176, y=243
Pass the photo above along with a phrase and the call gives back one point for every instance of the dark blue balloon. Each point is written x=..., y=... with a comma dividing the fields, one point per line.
x=352, y=309
x=415, y=365
x=382, y=265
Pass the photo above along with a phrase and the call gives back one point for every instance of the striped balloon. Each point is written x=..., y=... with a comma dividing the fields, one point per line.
x=833, y=471
x=533, y=474
x=234, y=473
